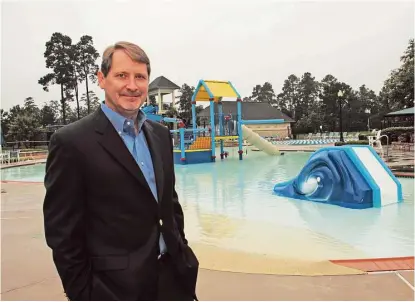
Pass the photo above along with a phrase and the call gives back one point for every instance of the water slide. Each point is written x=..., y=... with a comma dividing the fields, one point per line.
x=149, y=109
x=388, y=185
x=151, y=113
x=353, y=176
x=252, y=137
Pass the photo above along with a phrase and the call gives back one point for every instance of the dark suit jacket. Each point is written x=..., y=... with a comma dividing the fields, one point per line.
x=101, y=219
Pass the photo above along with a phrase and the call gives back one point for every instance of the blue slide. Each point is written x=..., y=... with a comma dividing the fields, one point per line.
x=348, y=176
x=151, y=113
x=150, y=109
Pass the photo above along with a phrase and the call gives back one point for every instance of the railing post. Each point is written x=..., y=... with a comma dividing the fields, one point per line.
x=182, y=150
x=212, y=127
x=239, y=107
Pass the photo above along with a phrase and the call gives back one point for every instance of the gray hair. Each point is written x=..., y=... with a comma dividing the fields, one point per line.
x=135, y=52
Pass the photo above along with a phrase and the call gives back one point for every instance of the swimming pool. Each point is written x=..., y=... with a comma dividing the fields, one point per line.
x=230, y=204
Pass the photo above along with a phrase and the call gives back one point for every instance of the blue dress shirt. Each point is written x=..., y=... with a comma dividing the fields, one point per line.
x=137, y=145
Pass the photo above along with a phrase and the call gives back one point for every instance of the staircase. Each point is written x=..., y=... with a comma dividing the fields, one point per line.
x=201, y=142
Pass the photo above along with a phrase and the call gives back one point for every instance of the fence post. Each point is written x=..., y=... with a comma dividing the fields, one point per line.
x=182, y=150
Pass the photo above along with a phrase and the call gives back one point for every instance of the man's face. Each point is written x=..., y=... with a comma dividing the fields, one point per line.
x=126, y=84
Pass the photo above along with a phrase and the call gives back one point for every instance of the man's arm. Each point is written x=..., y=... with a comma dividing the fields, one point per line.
x=178, y=211
x=64, y=221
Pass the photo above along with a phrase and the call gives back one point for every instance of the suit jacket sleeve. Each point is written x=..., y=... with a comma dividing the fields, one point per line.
x=178, y=211
x=64, y=218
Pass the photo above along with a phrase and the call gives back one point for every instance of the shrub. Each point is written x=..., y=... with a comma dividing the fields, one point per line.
x=359, y=142
x=401, y=134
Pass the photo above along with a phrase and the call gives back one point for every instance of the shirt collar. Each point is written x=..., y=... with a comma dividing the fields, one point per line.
x=119, y=122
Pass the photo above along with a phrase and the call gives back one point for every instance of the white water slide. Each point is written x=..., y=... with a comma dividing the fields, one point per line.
x=387, y=185
x=262, y=144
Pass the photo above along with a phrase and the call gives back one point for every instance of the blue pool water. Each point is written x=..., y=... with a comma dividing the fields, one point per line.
x=231, y=204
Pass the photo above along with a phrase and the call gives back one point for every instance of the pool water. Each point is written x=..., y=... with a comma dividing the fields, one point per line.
x=230, y=204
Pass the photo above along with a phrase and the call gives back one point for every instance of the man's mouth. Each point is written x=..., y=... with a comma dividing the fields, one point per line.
x=130, y=96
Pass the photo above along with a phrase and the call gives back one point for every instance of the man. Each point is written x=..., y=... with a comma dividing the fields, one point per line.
x=111, y=212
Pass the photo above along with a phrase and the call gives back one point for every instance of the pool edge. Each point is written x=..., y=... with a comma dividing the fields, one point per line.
x=378, y=264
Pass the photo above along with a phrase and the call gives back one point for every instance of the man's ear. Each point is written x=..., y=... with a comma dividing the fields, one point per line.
x=101, y=79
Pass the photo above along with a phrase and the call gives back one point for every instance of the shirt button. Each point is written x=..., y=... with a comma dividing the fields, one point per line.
x=119, y=132
x=142, y=163
x=128, y=123
x=161, y=222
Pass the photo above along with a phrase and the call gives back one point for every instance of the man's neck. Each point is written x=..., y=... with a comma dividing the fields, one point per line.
x=132, y=115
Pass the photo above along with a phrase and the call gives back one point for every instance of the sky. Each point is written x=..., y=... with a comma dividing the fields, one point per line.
x=246, y=42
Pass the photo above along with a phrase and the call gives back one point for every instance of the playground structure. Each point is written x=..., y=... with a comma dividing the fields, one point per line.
x=153, y=114
x=200, y=145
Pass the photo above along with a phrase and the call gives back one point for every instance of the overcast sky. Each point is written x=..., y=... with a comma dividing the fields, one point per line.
x=246, y=42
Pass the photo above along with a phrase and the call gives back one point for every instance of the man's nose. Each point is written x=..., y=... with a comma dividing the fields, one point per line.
x=132, y=85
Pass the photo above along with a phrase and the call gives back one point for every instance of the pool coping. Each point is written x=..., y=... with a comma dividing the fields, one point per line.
x=378, y=264
x=23, y=164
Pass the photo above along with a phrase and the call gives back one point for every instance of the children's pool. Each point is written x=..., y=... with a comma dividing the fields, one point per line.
x=230, y=204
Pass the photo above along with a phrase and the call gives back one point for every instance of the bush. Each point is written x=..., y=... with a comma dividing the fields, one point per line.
x=359, y=142
x=395, y=134
x=363, y=135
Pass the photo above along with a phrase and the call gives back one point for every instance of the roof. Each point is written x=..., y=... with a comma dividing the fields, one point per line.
x=162, y=83
x=209, y=89
x=407, y=111
x=250, y=111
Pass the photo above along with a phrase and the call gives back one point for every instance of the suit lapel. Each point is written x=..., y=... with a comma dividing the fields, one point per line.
x=114, y=145
x=155, y=147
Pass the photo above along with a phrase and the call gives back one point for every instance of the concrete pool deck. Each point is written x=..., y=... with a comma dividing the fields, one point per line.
x=28, y=272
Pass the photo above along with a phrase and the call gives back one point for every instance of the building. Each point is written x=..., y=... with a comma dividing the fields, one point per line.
x=160, y=87
x=254, y=111
x=401, y=118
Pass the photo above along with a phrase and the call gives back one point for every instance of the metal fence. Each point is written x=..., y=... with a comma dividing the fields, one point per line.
x=228, y=121
x=190, y=139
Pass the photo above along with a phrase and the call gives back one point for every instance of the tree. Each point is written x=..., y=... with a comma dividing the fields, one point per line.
x=264, y=93
x=308, y=92
x=185, y=101
x=153, y=101
x=58, y=58
x=398, y=89
x=73, y=85
x=47, y=116
x=328, y=95
x=24, y=121
x=87, y=67
x=5, y=122
x=91, y=101
x=289, y=98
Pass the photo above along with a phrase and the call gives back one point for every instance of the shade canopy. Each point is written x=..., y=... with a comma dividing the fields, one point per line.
x=208, y=90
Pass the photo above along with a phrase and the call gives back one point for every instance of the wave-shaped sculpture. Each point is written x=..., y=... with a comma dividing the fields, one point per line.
x=340, y=176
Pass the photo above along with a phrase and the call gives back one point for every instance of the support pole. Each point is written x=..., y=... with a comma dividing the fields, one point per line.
x=194, y=119
x=220, y=111
x=239, y=107
x=212, y=127
x=182, y=150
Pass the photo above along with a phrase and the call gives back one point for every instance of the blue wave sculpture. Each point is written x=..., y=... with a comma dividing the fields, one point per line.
x=336, y=175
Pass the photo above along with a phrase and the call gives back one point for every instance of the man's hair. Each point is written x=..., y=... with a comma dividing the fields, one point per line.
x=133, y=51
